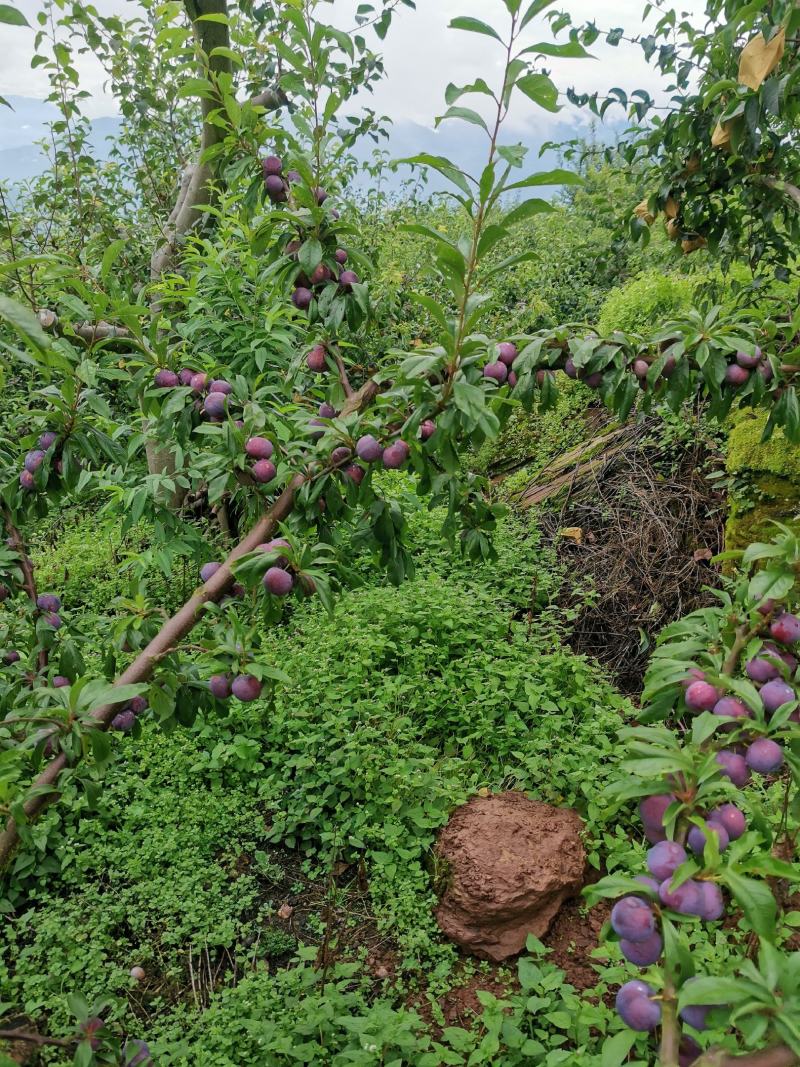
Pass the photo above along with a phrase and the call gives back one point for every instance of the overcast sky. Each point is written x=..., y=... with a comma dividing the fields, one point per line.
x=421, y=57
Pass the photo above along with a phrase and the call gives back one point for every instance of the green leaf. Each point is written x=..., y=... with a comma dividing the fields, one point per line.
x=570, y=50
x=197, y=87
x=547, y=177
x=444, y=166
x=24, y=322
x=714, y=991
x=11, y=16
x=541, y=90
x=756, y=901
x=464, y=22
x=453, y=92
x=464, y=113
x=111, y=255
x=536, y=8
x=616, y=1048
x=310, y=255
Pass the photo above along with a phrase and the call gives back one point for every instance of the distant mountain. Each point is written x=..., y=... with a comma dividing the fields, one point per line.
x=20, y=157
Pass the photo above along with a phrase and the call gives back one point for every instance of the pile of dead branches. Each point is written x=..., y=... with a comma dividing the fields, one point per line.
x=635, y=521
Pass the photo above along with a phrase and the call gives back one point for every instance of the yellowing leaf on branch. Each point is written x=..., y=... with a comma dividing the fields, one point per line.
x=759, y=58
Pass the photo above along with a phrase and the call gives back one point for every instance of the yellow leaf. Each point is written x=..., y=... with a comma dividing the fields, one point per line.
x=573, y=533
x=759, y=58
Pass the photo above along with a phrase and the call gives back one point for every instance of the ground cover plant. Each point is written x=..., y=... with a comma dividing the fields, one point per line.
x=278, y=456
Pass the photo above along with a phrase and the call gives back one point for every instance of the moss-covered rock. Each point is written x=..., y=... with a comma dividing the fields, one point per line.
x=767, y=489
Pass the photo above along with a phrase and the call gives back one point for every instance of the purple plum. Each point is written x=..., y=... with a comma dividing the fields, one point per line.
x=347, y=279
x=652, y=809
x=687, y=898
x=220, y=686
x=166, y=379
x=61, y=681
x=749, y=362
x=340, y=454
x=26, y=480
x=199, y=382
x=507, y=352
x=761, y=669
x=52, y=619
x=185, y=376
x=47, y=440
x=701, y=696
x=320, y=195
x=786, y=628
x=641, y=368
x=396, y=455
x=48, y=602
x=276, y=545
x=278, y=581
x=732, y=708
x=245, y=687
x=259, y=448
x=764, y=756
x=271, y=165
x=665, y=858
x=33, y=460
x=275, y=188
x=645, y=879
x=138, y=705
x=316, y=360
x=327, y=411
x=264, y=471
x=355, y=473
x=643, y=953
x=697, y=837
x=497, y=372
x=736, y=375
x=368, y=448
x=694, y=675
x=731, y=818
x=10, y=657
x=512, y=379
x=734, y=767
x=688, y=1051
x=208, y=570
x=123, y=721
x=632, y=919
x=137, y=1053
x=215, y=405
x=712, y=904
x=636, y=1007
x=427, y=429
x=340, y=256
x=302, y=297
x=219, y=385
x=776, y=693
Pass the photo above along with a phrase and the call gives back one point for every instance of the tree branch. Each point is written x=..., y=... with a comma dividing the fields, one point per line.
x=44, y=789
x=35, y=1039
x=777, y=1056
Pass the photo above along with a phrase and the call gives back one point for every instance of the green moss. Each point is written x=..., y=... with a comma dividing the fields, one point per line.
x=646, y=302
x=747, y=453
x=748, y=524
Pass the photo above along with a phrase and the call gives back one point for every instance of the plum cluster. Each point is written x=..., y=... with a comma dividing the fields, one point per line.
x=36, y=457
x=261, y=450
x=499, y=370
x=212, y=394
x=278, y=186
x=124, y=720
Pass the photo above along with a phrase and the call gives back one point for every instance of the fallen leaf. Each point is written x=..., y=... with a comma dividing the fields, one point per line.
x=702, y=553
x=573, y=533
x=285, y=911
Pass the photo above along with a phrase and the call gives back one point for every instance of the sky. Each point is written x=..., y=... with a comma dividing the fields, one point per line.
x=421, y=56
